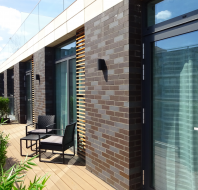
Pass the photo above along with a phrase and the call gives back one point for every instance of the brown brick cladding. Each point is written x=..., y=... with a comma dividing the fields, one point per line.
x=5, y=83
x=20, y=92
x=44, y=66
x=113, y=97
x=1, y=84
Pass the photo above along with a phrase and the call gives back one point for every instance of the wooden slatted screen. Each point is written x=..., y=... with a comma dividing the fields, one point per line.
x=33, y=114
x=80, y=92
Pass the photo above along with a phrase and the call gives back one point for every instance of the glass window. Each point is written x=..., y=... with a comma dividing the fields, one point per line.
x=161, y=10
x=61, y=95
x=29, y=65
x=175, y=110
x=66, y=50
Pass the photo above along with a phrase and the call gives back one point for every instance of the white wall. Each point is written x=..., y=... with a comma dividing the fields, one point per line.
x=61, y=28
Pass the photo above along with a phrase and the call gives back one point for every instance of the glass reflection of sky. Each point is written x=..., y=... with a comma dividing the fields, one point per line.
x=159, y=11
x=188, y=39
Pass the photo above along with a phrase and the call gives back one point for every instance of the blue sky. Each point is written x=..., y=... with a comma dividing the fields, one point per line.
x=14, y=12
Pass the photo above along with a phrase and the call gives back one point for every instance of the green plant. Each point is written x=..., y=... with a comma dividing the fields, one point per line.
x=4, y=107
x=12, y=179
x=3, y=148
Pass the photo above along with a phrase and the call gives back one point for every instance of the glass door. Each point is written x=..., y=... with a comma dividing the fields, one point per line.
x=170, y=95
x=61, y=95
x=29, y=97
x=65, y=92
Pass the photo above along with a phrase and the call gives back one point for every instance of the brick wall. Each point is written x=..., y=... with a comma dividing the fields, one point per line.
x=50, y=80
x=20, y=92
x=1, y=84
x=5, y=83
x=113, y=97
x=44, y=66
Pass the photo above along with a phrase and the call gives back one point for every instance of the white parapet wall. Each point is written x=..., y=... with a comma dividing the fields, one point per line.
x=60, y=29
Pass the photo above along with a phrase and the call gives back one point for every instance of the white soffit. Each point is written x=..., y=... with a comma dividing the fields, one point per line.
x=60, y=28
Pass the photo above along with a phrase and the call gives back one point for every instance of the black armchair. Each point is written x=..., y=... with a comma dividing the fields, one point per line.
x=45, y=125
x=59, y=143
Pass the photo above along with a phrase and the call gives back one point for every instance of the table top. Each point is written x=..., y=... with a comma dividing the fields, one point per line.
x=33, y=137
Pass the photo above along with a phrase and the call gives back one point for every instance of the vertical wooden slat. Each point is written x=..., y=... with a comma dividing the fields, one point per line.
x=33, y=114
x=80, y=92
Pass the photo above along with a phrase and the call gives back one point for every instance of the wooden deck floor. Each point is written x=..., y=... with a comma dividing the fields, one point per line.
x=72, y=175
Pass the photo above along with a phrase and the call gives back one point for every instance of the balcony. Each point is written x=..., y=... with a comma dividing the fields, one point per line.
x=72, y=175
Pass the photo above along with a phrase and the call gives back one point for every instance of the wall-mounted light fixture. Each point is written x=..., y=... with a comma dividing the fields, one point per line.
x=101, y=64
x=37, y=77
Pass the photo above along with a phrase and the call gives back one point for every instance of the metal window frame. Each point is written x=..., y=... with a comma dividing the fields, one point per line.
x=150, y=36
x=176, y=21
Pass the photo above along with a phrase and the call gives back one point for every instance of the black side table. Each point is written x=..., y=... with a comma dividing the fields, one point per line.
x=31, y=138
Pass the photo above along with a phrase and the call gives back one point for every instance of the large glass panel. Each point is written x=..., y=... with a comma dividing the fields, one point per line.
x=31, y=25
x=66, y=50
x=61, y=95
x=29, y=98
x=161, y=10
x=175, y=111
x=39, y=17
x=48, y=10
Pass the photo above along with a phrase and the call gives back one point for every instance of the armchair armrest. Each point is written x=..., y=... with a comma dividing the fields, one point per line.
x=50, y=127
x=26, y=127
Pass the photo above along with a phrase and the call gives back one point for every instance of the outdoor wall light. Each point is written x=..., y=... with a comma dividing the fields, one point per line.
x=101, y=64
x=37, y=77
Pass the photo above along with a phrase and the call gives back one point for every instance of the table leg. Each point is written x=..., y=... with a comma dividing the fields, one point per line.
x=36, y=148
x=21, y=146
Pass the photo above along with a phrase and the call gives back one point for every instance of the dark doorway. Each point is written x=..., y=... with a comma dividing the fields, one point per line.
x=28, y=82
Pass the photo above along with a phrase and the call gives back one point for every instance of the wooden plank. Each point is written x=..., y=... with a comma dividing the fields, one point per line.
x=80, y=72
x=80, y=68
x=81, y=76
x=80, y=41
x=81, y=139
x=80, y=37
x=80, y=105
x=81, y=124
x=80, y=49
x=80, y=45
x=81, y=113
x=80, y=34
x=80, y=109
x=81, y=102
x=80, y=53
x=80, y=64
x=81, y=135
x=80, y=79
x=80, y=57
x=80, y=61
x=81, y=131
x=80, y=116
x=81, y=120
x=80, y=127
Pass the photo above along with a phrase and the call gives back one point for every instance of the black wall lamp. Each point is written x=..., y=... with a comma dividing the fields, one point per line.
x=37, y=77
x=101, y=64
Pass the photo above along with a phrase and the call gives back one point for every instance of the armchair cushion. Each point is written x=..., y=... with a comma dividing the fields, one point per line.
x=53, y=140
x=39, y=131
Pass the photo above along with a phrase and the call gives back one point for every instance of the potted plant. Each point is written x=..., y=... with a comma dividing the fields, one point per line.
x=4, y=109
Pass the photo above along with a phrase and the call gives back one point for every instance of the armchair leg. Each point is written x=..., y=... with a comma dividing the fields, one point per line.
x=63, y=158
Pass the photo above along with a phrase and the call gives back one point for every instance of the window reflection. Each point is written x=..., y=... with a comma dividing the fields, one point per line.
x=66, y=50
x=162, y=10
